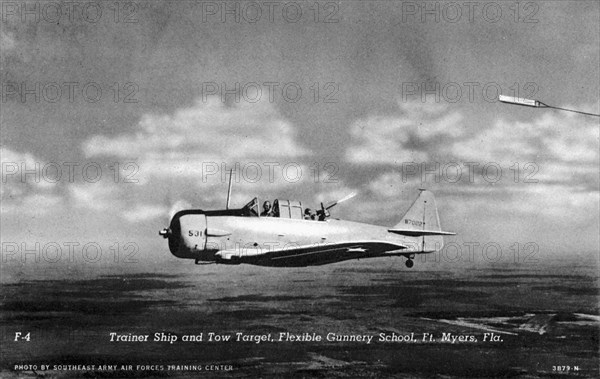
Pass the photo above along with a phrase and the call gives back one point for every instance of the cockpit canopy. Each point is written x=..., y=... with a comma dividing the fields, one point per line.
x=251, y=209
x=280, y=208
x=287, y=209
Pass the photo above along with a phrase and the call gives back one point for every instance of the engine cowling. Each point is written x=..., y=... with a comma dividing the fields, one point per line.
x=187, y=234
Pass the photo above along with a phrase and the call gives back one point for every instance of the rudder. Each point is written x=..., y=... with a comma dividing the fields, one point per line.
x=422, y=214
x=422, y=220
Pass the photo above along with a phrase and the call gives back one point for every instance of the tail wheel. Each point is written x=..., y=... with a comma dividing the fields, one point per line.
x=410, y=263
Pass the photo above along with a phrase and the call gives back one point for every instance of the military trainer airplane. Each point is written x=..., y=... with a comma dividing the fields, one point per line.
x=285, y=237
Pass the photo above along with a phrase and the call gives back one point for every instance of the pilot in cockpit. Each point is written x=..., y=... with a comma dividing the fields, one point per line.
x=267, y=211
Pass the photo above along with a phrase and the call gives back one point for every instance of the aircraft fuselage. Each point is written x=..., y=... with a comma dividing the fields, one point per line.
x=209, y=237
x=285, y=238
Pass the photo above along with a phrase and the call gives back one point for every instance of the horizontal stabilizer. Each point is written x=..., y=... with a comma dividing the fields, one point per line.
x=419, y=233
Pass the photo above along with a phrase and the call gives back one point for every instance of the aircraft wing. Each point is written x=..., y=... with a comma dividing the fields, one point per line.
x=310, y=255
x=419, y=233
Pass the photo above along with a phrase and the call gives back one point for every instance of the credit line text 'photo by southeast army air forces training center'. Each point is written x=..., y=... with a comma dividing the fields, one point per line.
x=298, y=189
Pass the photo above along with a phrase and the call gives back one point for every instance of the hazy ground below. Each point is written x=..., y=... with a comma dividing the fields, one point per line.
x=544, y=316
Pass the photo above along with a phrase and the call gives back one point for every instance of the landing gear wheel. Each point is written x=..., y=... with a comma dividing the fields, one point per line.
x=410, y=263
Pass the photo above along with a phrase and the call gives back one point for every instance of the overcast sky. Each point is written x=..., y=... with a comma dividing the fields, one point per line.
x=324, y=99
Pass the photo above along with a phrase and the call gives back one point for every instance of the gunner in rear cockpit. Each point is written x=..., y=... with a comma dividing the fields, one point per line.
x=267, y=211
x=308, y=214
x=322, y=214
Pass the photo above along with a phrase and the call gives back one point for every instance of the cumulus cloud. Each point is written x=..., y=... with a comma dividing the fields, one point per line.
x=561, y=137
x=549, y=169
x=403, y=137
x=100, y=196
x=28, y=183
x=188, y=154
x=558, y=148
x=207, y=132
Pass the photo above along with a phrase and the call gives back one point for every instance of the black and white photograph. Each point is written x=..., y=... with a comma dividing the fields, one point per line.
x=300, y=189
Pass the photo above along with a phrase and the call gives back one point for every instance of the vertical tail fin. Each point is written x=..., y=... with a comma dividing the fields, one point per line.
x=422, y=214
x=422, y=220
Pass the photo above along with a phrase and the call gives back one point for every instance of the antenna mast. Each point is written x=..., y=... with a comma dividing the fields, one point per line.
x=424, y=209
x=229, y=191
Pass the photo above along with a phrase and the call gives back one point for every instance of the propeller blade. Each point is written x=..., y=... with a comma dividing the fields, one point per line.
x=178, y=206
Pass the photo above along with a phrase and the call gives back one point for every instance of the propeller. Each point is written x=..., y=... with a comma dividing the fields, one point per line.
x=178, y=206
x=174, y=208
x=324, y=212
